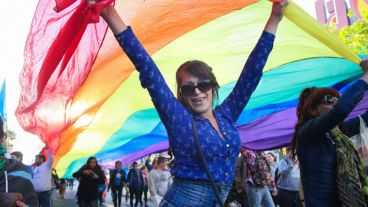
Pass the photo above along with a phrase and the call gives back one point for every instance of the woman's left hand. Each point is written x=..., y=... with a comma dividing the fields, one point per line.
x=276, y=15
x=278, y=9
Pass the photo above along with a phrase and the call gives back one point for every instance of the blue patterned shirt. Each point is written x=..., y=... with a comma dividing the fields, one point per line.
x=220, y=153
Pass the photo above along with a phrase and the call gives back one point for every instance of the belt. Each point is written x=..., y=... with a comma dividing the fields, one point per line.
x=198, y=181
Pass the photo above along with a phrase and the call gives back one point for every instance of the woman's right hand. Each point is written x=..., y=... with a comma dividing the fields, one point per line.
x=364, y=65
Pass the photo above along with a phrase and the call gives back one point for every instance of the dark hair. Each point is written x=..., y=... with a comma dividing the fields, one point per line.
x=10, y=199
x=2, y=132
x=117, y=162
x=41, y=156
x=200, y=70
x=274, y=156
x=18, y=154
x=309, y=99
x=89, y=160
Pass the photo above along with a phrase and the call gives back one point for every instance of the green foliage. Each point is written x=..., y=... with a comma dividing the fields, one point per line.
x=11, y=136
x=356, y=35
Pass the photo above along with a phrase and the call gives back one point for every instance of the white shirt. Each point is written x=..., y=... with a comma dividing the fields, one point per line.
x=42, y=174
x=159, y=181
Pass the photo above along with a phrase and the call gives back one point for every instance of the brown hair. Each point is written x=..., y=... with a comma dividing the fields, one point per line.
x=10, y=199
x=309, y=99
x=273, y=156
x=200, y=70
x=2, y=132
x=17, y=154
x=161, y=160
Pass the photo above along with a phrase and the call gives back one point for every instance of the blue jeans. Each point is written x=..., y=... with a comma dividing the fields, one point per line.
x=190, y=193
x=259, y=195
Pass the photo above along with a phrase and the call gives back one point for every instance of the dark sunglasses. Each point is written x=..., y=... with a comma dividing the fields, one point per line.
x=329, y=99
x=189, y=90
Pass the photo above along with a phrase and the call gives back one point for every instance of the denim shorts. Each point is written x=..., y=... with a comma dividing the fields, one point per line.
x=187, y=193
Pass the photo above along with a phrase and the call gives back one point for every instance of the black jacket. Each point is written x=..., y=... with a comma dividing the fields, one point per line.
x=113, y=176
x=19, y=181
x=135, y=179
x=88, y=187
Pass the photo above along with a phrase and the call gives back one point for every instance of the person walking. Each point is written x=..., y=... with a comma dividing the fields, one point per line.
x=144, y=170
x=288, y=182
x=90, y=177
x=116, y=183
x=159, y=180
x=259, y=177
x=136, y=183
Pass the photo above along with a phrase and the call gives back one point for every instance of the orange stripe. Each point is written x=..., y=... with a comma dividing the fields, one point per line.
x=156, y=23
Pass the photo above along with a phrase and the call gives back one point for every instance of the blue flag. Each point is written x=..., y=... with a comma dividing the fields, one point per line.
x=3, y=101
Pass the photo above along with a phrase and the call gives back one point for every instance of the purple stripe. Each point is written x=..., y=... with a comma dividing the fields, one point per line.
x=130, y=158
x=276, y=130
x=272, y=131
x=268, y=132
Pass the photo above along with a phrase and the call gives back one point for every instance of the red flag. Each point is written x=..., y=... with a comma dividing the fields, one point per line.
x=59, y=53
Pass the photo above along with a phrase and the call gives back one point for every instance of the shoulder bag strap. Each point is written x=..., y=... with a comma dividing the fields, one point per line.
x=201, y=157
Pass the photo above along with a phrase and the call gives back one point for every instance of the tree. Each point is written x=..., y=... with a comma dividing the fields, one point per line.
x=11, y=136
x=356, y=35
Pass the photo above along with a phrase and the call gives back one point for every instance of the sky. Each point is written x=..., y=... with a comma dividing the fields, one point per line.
x=15, y=20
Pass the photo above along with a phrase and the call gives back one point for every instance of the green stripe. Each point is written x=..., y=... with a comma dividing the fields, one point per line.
x=223, y=43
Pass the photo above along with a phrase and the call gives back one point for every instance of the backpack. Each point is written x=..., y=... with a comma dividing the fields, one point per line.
x=261, y=171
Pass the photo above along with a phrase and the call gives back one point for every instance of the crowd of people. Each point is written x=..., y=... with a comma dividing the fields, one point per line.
x=321, y=167
x=137, y=182
x=262, y=181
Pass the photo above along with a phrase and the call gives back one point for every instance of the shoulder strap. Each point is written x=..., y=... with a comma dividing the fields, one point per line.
x=201, y=157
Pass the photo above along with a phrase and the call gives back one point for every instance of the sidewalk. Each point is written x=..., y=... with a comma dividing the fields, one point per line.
x=71, y=201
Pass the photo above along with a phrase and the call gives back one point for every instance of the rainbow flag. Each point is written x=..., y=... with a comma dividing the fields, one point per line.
x=96, y=105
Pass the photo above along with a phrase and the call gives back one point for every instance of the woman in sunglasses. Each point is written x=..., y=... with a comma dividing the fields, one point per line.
x=331, y=170
x=197, y=90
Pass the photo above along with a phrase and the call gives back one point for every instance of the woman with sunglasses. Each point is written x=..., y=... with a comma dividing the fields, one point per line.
x=331, y=170
x=197, y=90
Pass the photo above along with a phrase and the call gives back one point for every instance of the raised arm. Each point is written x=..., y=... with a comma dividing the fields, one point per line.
x=276, y=15
x=352, y=126
x=285, y=167
x=164, y=100
x=112, y=18
x=347, y=102
x=252, y=71
x=50, y=158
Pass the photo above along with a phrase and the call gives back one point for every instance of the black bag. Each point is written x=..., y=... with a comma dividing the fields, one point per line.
x=201, y=157
x=56, y=181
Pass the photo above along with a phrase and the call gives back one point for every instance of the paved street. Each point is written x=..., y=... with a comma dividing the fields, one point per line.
x=70, y=200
